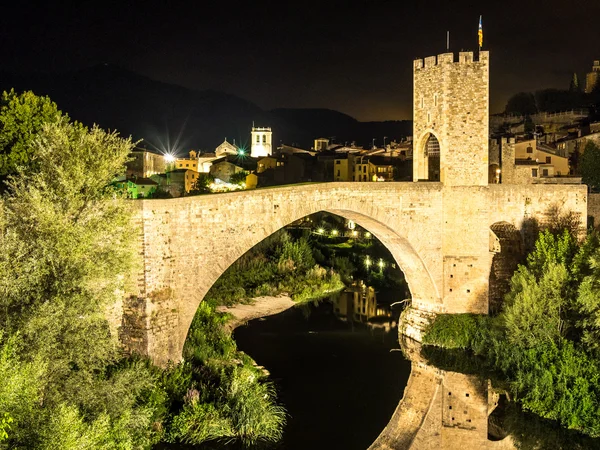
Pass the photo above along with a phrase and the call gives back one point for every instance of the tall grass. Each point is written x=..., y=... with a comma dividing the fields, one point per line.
x=218, y=393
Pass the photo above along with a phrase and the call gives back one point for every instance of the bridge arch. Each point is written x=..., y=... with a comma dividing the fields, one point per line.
x=417, y=276
x=189, y=242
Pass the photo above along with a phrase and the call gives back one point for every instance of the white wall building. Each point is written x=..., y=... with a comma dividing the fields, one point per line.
x=261, y=142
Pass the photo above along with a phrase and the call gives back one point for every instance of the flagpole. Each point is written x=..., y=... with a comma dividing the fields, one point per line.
x=447, y=40
x=480, y=34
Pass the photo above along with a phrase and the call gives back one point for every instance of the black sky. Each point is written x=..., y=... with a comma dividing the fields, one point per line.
x=353, y=56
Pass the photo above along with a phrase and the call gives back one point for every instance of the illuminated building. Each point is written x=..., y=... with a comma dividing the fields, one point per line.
x=261, y=142
x=591, y=78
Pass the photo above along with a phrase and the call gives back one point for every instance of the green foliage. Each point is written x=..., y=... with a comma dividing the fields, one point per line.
x=5, y=422
x=456, y=331
x=66, y=241
x=522, y=103
x=22, y=117
x=588, y=305
x=218, y=393
x=589, y=166
x=545, y=341
x=279, y=264
x=534, y=310
x=201, y=186
x=238, y=177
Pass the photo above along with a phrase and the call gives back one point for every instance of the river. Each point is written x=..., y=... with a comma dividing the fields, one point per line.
x=339, y=379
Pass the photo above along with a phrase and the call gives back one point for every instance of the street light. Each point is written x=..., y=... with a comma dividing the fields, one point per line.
x=368, y=262
x=381, y=264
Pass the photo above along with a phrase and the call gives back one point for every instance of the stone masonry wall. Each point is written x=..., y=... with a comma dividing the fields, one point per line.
x=594, y=210
x=438, y=235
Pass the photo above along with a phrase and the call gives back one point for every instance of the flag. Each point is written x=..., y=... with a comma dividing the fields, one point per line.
x=480, y=33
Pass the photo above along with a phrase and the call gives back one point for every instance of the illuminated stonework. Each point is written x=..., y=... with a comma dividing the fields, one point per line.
x=261, y=142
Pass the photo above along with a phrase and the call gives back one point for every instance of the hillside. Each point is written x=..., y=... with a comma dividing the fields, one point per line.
x=173, y=117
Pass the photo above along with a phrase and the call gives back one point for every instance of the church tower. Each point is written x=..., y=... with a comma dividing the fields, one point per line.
x=450, y=119
x=261, y=142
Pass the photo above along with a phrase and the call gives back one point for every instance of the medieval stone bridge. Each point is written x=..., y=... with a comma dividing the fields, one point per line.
x=440, y=236
x=454, y=236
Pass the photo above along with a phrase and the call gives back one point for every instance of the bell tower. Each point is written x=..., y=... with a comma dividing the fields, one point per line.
x=261, y=142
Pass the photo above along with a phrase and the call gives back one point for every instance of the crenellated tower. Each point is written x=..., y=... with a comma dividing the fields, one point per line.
x=450, y=119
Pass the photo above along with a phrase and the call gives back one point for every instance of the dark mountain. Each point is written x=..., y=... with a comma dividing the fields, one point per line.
x=167, y=116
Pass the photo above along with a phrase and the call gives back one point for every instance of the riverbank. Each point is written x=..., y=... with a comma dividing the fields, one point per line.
x=259, y=307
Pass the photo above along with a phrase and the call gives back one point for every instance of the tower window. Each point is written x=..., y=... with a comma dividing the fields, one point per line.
x=264, y=138
x=257, y=139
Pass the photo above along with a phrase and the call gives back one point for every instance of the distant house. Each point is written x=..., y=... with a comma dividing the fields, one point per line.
x=177, y=182
x=224, y=168
x=138, y=187
x=341, y=170
x=188, y=163
x=549, y=162
x=226, y=148
x=145, y=164
x=268, y=162
x=381, y=168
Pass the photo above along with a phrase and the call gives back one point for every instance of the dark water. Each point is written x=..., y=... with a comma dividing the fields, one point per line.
x=337, y=378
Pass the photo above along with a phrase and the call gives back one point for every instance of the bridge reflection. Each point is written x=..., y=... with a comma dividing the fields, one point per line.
x=441, y=410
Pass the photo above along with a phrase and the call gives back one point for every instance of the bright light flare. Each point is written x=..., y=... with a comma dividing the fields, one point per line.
x=169, y=158
x=320, y=231
x=334, y=232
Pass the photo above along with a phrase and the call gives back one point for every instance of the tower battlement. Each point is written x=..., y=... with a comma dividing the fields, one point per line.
x=451, y=58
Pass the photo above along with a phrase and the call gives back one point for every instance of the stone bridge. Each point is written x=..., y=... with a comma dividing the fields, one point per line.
x=440, y=236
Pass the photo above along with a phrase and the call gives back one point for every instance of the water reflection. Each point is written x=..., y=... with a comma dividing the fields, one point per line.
x=441, y=410
x=358, y=304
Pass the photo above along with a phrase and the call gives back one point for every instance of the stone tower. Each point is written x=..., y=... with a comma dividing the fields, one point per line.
x=261, y=142
x=450, y=119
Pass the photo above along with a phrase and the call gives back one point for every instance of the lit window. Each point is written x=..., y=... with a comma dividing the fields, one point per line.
x=264, y=139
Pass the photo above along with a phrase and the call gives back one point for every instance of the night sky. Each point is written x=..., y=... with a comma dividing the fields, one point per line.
x=354, y=56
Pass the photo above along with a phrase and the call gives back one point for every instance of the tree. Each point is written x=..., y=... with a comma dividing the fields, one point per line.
x=574, y=86
x=522, y=103
x=66, y=248
x=590, y=166
x=202, y=184
x=238, y=177
x=21, y=119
